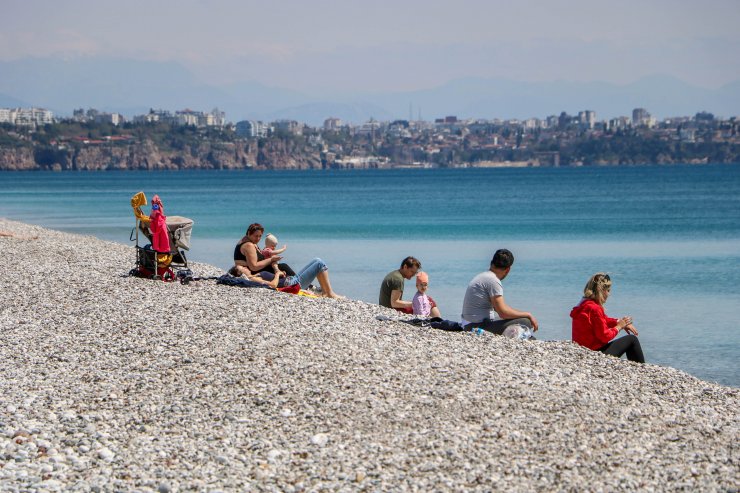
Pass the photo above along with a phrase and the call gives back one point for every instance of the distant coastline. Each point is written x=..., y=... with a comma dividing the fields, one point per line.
x=573, y=141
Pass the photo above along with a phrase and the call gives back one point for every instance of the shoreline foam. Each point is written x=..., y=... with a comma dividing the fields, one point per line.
x=114, y=382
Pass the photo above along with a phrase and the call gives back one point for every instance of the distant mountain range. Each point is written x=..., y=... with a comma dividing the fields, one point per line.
x=133, y=87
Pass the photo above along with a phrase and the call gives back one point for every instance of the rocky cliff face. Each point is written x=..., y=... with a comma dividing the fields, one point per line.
x=147, y=156
x=17, y=159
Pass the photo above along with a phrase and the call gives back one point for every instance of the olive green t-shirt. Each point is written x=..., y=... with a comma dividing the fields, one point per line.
x=392, y=282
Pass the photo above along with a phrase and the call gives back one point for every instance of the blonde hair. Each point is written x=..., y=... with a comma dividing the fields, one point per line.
x=270, y=239
x=597, y=287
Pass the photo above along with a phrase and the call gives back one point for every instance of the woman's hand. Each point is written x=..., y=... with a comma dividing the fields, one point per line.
x=624, y=322
x=630, y=329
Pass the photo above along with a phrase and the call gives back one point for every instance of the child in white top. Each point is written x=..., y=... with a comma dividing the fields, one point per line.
x=270, y=244
x=422, y=304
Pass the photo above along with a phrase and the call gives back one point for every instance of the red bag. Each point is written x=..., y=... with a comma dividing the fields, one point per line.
x=294, y=289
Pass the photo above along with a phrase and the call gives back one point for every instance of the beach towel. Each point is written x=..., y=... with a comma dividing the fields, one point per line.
x=307, y=294
x=240, y=281
x=136, y=202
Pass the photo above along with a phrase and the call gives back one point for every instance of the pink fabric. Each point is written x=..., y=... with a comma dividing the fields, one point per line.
x=267, y=252
x=421, y=304
x=158, y=227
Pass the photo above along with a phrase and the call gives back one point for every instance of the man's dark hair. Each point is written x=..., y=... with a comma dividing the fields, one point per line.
x=410, y=262
x=502, y=259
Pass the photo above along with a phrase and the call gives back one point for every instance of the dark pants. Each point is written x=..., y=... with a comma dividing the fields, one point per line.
x=628, y=344
x=283, y=267
x=498, y=326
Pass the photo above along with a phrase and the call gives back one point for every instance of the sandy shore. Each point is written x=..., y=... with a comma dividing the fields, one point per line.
x=109, y=382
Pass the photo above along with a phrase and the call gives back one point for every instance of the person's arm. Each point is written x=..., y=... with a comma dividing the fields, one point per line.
x=266, y=278
x=506, y=312
x=250, y=252
x=600, y=326
x=626, y=324
x=631, y=329
x=276, y=280
x=280, y=250
x=397, y=302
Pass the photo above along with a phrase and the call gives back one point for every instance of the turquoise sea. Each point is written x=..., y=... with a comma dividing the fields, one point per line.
x=668, y=235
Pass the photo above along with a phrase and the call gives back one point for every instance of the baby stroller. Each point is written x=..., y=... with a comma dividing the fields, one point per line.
x=153, y=264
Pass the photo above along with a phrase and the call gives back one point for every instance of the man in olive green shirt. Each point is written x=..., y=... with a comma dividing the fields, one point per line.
x=391, y=289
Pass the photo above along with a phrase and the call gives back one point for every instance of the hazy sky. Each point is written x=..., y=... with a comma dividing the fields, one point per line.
x=388, y=45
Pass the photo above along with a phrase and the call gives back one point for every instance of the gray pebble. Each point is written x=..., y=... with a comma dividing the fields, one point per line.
x=227, y=389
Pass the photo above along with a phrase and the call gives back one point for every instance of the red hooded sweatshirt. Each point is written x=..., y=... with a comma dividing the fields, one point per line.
x=591, y=327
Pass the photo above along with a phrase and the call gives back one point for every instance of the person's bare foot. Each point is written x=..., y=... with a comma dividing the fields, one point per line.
x=8, y=234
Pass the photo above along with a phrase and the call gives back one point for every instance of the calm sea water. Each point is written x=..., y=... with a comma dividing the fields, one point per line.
x=668, y=235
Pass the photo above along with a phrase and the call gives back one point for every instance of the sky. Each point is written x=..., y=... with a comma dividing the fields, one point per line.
x=324, y=46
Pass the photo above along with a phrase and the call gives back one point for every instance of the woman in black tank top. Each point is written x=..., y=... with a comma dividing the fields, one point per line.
x=248, y=255
x=253, y=236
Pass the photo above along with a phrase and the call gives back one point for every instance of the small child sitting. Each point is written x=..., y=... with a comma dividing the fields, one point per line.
x=422, y=303
x=270, y=244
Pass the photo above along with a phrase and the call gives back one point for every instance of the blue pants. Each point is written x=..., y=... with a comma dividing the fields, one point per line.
x=307, y=274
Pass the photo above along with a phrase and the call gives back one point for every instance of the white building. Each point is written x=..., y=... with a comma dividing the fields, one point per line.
x=155, y=116
x=216, y=118
x=187, y=118
x=640, y=117
x=621, y=122
x=332, y=124
x=26, y=116
x=290, y=126
x=252, y=129
x=112, y=118
x=532, y=124
x=369, y=128
x=587, y=119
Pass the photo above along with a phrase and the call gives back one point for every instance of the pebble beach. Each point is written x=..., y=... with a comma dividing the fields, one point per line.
x=115, y=383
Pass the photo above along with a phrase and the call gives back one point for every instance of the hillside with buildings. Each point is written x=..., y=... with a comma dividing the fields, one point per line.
x=32, y=139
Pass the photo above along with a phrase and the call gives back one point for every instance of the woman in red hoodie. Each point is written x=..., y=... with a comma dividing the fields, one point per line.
x=594, y=330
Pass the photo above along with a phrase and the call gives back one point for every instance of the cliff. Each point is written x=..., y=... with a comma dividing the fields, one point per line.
x=146, y=155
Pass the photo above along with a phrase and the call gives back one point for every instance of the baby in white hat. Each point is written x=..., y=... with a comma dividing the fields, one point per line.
x=270, y=244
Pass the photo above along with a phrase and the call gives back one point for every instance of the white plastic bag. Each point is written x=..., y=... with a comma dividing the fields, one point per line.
x=517, y=331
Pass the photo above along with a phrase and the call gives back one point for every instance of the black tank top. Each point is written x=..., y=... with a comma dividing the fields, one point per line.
x=238, y=255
